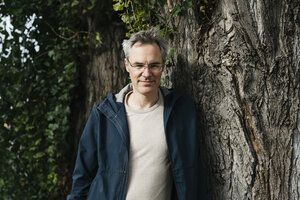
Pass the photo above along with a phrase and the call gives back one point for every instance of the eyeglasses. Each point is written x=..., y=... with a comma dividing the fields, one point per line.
x=153, y=67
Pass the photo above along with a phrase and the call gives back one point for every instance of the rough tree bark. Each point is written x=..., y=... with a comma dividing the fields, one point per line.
x=240, y=62
x=243, y=72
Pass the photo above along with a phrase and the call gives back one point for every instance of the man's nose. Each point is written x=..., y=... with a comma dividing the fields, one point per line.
x=147, y=72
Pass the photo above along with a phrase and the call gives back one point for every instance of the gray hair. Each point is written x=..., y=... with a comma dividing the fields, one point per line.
x=146, y=37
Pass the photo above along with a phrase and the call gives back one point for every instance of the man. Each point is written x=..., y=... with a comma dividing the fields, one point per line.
x=142, y=143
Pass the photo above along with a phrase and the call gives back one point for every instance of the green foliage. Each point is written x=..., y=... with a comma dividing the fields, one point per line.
x=36, y=90
x=140, y=15
x=170, y=54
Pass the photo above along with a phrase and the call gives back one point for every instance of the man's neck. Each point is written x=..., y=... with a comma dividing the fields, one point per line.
x=141, y=101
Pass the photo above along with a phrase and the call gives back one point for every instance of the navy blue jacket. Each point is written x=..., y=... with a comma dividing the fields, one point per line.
x=101, y=169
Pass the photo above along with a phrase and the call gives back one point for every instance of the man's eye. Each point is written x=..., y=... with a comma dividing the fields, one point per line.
x=139, y=66
x=154, y=66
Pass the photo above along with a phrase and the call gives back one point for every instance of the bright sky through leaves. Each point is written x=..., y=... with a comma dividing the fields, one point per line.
x=6, y=33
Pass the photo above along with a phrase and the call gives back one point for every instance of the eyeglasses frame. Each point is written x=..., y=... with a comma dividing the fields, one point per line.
x=142, y=69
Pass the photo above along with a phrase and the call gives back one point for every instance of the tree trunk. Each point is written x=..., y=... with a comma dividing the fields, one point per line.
x=242, y=68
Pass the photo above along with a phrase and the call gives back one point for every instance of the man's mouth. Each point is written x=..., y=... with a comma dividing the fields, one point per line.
x=146, y=81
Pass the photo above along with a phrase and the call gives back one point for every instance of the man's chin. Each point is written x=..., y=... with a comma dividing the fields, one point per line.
x=147, y=89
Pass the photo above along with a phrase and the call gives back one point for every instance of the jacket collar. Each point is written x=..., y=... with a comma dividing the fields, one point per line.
x=119, y=97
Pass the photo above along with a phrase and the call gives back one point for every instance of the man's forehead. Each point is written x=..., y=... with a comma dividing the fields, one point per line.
x=136, y=47
x=140, y=43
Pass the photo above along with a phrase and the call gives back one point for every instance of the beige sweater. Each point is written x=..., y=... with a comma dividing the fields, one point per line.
x=149, y=166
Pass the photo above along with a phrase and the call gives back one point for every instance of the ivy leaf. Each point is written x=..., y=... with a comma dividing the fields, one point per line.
x=93, y=2
x=161, y=2
x=176, y=11
x=74, y=3
x=170, y=54
x=118, y=6
x=51, y=53
x=38, y=155
x=19, y=104
x=54, y=90
x=69, y=65
x=187, y=4
x=98, y=39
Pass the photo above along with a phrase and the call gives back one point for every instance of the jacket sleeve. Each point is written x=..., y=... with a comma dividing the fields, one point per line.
x=202, y=183
x=86, y=163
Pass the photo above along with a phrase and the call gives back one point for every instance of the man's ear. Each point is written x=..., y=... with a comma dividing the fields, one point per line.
x=126, y=64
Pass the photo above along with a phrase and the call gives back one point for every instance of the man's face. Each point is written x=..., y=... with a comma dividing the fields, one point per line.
x=145, y=82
